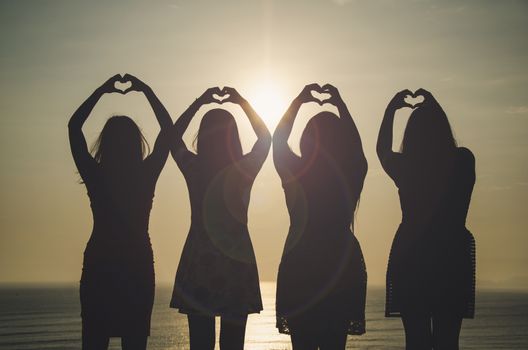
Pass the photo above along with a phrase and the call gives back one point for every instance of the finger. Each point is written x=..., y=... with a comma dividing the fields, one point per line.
x=217, y=90
x=329, y=87
x=208, y=94
x=112, y=89
x=312, y=86
x=111, y=81
x=120, y=78
x=328, y=100
x=128, y=76
x=423, y=92
x=405, y=104
x=404, y=93
x=311, y=98
x=229, y=90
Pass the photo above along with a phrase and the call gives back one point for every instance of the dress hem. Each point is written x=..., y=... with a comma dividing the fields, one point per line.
x=187, y=311
x=355, y=327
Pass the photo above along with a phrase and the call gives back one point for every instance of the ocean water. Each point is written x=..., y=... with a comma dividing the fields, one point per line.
x=40, y=317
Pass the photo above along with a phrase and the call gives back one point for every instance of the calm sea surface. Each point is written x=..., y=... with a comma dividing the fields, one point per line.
x=48, y=318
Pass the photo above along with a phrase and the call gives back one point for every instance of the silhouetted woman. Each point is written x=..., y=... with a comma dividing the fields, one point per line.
x=117, y=282
x=322, y=278
x=430, y=277
x=217, y=274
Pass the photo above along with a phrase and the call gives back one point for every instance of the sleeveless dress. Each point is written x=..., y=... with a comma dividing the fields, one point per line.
x=117, y=282
x=322, y=274
x=217, y=274
x=431, y=269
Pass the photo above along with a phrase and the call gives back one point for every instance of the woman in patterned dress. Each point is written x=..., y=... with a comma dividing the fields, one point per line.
x=431, y=270
x=217, y=274
x=321, y=284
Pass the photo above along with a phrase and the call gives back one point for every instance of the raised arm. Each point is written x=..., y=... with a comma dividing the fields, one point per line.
x=356, y=147
x=179, y=151
x=283, y=156
x=384, y=145
x=156, y=160
x=256, y=157
x=81, y=155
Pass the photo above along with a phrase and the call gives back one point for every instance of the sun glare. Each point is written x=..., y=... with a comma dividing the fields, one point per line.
x=268, y=99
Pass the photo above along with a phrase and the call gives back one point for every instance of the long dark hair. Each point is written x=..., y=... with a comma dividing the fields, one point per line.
x=428, y=133
x=120, y=143
x=217, y=142
x=327, y=157
x=323, y=139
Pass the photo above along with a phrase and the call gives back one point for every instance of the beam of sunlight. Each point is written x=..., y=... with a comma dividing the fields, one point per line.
x=268, y=98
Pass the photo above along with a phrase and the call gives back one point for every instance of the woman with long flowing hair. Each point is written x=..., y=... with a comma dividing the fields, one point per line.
x=217, y=274
x=117, y=282
x=431, y=270
x=321, y=284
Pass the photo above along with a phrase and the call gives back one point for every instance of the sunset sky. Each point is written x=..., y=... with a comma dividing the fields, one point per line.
x=472, y=55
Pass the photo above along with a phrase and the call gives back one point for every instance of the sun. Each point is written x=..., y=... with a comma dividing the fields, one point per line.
x=268, y=99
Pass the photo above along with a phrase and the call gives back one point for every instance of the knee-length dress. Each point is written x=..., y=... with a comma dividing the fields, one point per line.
x=322, y=272
x=217, y=273
x=431, y=267
x=117, y=281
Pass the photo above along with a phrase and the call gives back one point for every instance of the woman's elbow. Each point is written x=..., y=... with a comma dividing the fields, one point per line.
x=266, y=138
x=380, y=151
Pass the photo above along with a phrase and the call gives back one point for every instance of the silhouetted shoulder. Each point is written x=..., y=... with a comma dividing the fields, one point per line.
x=466, y=162
x=466, y=155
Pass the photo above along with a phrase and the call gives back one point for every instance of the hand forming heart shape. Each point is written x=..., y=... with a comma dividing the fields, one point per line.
x=123, y=85
x=415, y=99
x=221, y=98
x=315, y=93
x=321, y=95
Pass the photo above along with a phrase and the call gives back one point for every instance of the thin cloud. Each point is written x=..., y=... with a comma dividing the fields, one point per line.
x=342, y=2
x=500, y=188
x=448, y=78
x=517, y=110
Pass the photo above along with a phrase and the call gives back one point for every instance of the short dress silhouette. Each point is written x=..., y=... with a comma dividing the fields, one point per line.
x=117, y=282
x=322, y=272
x=217, y=274
x=431, y=268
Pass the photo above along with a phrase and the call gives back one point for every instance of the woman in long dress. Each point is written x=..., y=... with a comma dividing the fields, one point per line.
x=217, y=274
x=117, y=282
x=321, y=284
x=431, y=270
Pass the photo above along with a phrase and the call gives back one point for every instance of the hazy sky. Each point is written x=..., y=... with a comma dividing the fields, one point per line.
x=473, y=56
